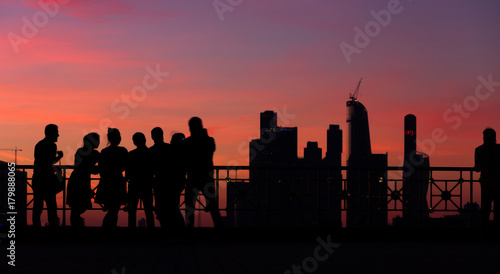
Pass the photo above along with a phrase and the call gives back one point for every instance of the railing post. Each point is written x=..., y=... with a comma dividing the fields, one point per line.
x=318, y=182
x=216, y=190
x=267, y=199
x=22, y=203
x=471, y=198
x=64, y=196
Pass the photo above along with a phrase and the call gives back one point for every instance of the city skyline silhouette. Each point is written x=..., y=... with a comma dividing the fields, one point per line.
x=311, y=169
x=278, y=147
x=92, y=95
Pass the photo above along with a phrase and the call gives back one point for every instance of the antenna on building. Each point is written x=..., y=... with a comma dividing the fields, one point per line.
x=15, y=152
x=354, y=96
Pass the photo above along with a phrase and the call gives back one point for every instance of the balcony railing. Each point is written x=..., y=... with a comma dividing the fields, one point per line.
x=322, y=197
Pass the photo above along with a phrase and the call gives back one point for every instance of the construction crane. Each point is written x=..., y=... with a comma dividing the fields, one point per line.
x=354, y=96
x=15, y=152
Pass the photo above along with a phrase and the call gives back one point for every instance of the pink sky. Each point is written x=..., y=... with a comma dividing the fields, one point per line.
x=265, y=55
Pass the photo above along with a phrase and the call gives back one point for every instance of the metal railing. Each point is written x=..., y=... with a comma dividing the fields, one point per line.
x=281, y=196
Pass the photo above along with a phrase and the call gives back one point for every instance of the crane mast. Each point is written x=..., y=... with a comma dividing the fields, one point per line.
x=354, y=96
x=15, y=152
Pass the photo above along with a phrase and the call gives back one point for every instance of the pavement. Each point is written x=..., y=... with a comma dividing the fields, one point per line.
x=251, y=250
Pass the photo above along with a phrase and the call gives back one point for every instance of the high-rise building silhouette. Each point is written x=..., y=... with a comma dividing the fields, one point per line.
x=276, y=145
x=268, y=124
x=415, y=179
x=333, y=146
x=283, y=191
x=366, y=180
x=333, y=175
x=358, y=131
x=410, y=136
x=313, y=154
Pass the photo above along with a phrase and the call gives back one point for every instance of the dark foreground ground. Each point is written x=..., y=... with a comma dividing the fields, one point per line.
x=206, y=250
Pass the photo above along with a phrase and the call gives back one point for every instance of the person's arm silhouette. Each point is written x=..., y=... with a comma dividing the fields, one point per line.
x=59, y=155
x=477, y=161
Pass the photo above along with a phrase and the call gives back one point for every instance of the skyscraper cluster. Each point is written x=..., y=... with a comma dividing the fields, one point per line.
x=284, y=190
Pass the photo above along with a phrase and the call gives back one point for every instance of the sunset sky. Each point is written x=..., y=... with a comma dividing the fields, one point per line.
x=84, y=65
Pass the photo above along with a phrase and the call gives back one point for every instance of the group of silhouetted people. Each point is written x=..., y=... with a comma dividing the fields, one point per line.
x=164, y=170
x=156, y=176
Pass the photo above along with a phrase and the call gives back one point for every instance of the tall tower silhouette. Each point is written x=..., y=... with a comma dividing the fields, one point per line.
x=358, y=131
x=333, y=146
x=415, y=180
x=410, y=136
x=268, y=124
x=333, y=187
x=366, y=180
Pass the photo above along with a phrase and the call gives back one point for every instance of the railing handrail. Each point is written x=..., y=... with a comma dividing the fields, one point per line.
x=247, y=167
x=447, y=186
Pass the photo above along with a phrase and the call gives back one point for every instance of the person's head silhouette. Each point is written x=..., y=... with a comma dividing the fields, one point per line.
x=139, y=139
x=195, y=126
x=114, y=137
x=51, y=132
x=177, y=138
x=157, y=135
x=489, y=136
x=91, y=141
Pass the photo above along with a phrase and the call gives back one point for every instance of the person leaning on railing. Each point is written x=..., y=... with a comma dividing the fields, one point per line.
x=487, y=161
x=112, y=189
x=45, y=183
x=80, y=192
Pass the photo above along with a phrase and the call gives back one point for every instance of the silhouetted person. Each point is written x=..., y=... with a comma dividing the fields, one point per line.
x=80, y=191
x=45, y=182
x=487, y=161
x=112, y=189
x=200, y=149
x=177, y=180
x=140, y=181
x=160, y=161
